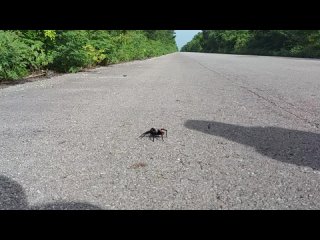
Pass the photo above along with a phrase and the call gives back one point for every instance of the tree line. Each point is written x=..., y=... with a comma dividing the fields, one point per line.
x=23, y=52
x=293, y=43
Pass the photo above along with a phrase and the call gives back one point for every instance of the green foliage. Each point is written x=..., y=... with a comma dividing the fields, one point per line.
x=51, y=34
x=95, y=56
x=130, y=45
x=69, y=53
x=296, y=43
x=37, y=58
x=14, y=56
x=25, y=51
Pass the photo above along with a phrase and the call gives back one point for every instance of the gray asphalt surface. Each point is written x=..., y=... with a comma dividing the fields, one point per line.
x=243, y=133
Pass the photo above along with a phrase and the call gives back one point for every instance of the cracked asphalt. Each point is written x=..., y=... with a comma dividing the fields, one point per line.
x=243, y=133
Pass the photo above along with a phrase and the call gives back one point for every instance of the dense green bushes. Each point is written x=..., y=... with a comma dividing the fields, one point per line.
x=70, y=52
x=15, y=56
x=294, y=43
x=22, y=52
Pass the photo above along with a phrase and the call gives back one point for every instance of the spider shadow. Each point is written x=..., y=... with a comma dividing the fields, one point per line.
x=157, y=137
x=152, y=138
x=286, y=145
x=13, y=197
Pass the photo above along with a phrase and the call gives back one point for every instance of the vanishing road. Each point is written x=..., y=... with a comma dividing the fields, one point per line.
x=243, y=133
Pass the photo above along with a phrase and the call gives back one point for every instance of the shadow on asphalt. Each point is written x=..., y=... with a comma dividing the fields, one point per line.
x=13, y=197
x=285, y=145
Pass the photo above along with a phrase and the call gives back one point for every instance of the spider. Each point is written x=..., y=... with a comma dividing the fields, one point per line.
x=155, y=133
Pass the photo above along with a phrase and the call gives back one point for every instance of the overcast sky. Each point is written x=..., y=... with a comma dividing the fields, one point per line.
x=184, y=36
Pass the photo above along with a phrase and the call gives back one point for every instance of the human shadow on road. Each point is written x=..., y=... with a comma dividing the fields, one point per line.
x=285, y=145
x=13, y=197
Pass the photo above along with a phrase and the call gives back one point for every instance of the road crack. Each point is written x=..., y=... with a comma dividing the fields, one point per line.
x=313, y=124
x=310, y=123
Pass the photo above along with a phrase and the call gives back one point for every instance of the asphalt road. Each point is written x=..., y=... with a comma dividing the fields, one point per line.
x=243, y=133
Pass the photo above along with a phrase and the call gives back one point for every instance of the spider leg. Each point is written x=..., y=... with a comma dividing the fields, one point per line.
x=151, y=137
x=143, y=134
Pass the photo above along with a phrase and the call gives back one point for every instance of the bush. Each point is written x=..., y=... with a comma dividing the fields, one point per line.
x=37, y=58
x=22, y=51
x=95, y=56
x=69, y=53
x=14, y=56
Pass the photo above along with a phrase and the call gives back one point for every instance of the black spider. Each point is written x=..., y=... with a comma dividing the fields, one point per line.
x=155, y=133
